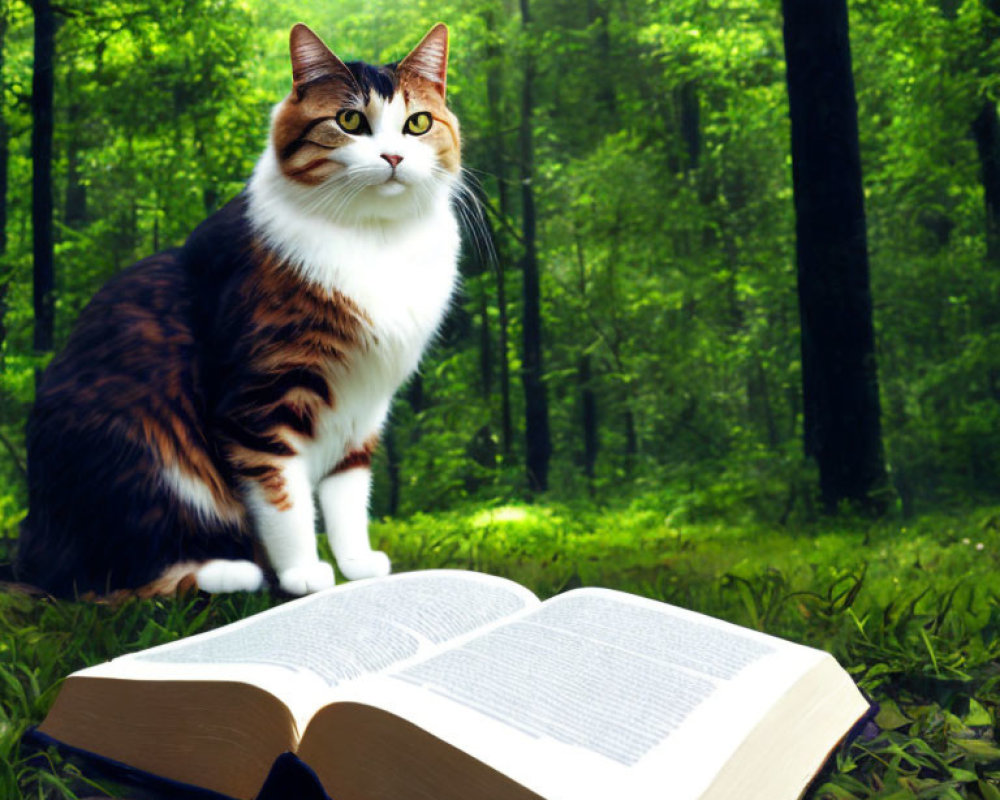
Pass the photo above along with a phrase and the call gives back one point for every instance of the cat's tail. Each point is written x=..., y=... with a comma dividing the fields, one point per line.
x=35, y=572
x=178, y=581
x=9, y=583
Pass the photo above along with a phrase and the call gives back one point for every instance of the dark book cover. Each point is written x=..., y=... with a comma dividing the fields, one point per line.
x=290, y=777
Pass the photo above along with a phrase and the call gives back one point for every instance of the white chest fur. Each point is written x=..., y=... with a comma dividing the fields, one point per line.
x=400, y=275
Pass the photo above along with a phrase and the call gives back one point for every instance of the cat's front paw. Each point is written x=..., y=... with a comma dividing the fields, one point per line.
x=373, y=564
x=306, y=578
x=221, y=575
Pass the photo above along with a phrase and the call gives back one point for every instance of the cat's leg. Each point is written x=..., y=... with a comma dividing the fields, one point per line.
x=222, y=575
x=281, y=507
x=221, y=571
x=343, y=497
x=215, y=576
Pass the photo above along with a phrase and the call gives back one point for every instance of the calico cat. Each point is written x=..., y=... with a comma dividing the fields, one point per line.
x=208, y=392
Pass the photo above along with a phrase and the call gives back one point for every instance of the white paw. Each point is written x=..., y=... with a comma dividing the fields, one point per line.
x=230, y=576
x=373, y=564
x=306, y=578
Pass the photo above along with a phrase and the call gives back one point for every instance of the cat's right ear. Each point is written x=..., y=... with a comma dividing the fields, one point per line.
x=313, y=61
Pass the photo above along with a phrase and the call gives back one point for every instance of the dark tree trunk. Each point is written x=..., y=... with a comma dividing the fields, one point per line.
x=3, y=325
x=538, y=446
x=4, y=137
x=485, y=343
x=494, y=100
x=415, y=393
x=684, y=154
x=393, y=469
x=4, y=166
x=41, y=177
x=588, y=419
x=597, y=13
x=840, y=383
x=210, y=199
x=759, y=402
x=75, y=197
x=631, y=442
x=986, y=131
x=690, y=107
x=585, y=383
x=506, y=418
x=75, y=207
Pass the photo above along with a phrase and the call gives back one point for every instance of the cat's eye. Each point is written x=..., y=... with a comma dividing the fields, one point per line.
x=352, y=121
x=418, y=123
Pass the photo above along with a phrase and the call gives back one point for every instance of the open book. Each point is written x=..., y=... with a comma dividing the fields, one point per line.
x=449, y=685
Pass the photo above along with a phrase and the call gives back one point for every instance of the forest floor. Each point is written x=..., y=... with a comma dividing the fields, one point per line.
x=909, y=607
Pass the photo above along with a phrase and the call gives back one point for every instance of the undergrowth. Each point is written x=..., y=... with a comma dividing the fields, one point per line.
x=909, y=608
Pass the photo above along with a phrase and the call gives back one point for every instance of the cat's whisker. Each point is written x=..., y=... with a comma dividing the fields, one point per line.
x=331, y=204
x=327, y=205
x=466, y=202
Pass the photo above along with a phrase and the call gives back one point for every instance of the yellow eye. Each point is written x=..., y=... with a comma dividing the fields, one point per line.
x=418, y=124
x=351, y=120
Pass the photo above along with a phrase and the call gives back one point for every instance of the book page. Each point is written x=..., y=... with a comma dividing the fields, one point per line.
x=597, y=693
x=302, y=650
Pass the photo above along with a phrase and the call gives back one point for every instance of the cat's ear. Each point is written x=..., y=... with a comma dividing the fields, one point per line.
x=312, y=61
x=429, y=59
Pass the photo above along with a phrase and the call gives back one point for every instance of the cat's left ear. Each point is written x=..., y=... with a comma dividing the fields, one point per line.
x=313, y=61
x=429, y=59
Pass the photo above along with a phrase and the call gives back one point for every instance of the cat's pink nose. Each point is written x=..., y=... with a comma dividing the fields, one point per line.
x=392, y=159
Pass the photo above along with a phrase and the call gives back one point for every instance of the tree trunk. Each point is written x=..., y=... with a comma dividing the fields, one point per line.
x=588, y=419
x=986, y=132
x=759, y=402
x=840, y=384
x=4, y=138
x=3, y=325
x=588, y=398
x=631, y=442
x=538, y=446
x=690, y=108
x=597, y=13
x=485, y=343
x=415, y=393
x=506, y=418
x=494, y=101
x=41, y=177
x=75, y=199
x=393, y=469
x=4, y=171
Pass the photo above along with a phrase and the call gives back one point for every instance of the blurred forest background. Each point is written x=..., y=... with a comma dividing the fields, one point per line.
x=640, y=321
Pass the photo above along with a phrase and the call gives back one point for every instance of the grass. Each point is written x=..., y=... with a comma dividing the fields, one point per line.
x=909, y=608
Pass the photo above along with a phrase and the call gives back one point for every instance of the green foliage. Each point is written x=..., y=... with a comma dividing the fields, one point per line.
x=42, y=641
x=665, y=225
